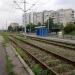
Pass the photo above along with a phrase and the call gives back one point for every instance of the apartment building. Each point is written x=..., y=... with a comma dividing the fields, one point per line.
x=39, y=17
x=60, y=16
x=52, y=14
x=34, y=18
x=66, y=15
x=28, y=19
x=46, y=15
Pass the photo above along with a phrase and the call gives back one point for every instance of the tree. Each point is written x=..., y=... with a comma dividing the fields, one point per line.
x=30, y=27
x=50, y=23
x=52, y=26
x=16, y=29
x=21, y=28
x=10, y=28
x=39, y=24
x=70, y=27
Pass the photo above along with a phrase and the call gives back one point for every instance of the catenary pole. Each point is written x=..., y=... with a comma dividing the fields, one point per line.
x=25, y=16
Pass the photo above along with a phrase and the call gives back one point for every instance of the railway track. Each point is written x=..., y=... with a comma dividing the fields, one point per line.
x=54, y=63
x=54, y=42
x=63, y=53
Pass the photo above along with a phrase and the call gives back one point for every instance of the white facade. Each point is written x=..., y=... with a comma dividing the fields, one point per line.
x=66, y=15
x=60, y=16
x=35, y=18
x=27, y=18
x=52, y=14
x=39, y=17
x=46, y=15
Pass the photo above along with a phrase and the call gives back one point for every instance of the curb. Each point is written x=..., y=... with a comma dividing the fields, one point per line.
x=27, y=68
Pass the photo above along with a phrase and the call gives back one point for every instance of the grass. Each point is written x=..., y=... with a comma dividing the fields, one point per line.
x=63, y=68
x=72, y=33
x=22, y=53
x=54, y=63
x=40, y=71
x=72, y=73
x=9, y=66
x=5, y=36
x=36, y=68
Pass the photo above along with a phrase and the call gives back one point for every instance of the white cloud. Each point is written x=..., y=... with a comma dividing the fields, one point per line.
x=8, y=11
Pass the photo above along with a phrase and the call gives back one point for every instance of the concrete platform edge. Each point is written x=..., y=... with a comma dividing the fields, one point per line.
x=24, y=64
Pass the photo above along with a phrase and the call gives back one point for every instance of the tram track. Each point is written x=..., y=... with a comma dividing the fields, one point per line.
x=55, y=42
x=49, y=60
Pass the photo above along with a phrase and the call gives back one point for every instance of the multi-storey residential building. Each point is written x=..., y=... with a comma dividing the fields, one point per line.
x=60, y=16
x=46, y=15
x=28, y=19
x=66, y=15
x=52, y=14
x=35, y=18
x=39, y=17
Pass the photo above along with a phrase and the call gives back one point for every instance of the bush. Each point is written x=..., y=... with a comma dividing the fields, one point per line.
x=70, y=27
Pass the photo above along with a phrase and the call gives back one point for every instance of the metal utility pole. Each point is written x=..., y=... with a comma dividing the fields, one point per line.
x=48, y=25
x=24, y=10
x=25, y=16
x=6, y=26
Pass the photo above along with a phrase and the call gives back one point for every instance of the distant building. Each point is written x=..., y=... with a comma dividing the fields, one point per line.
x=46, y=15
x=60, y=16
x=35, y=18
x=52, y=14
x=66, y=15
x=39, y=17
x=14, y=25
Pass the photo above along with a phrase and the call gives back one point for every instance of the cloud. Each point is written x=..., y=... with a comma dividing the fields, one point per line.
x=65, y=4
x=8, y=11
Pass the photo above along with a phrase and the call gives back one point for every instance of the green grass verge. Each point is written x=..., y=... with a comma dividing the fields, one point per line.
x=72, y=33
x=9, y=66
x=40, y=71
x=36, y=68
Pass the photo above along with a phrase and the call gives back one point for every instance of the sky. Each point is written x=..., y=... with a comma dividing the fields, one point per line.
x=9, y=11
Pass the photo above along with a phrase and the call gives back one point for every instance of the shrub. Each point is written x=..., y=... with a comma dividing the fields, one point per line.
x=70, y=27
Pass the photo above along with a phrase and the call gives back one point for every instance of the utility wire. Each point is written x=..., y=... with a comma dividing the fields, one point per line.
x=32, y=7
x=18, y=5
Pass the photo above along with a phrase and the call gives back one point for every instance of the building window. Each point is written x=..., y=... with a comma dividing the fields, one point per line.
x=72, y=11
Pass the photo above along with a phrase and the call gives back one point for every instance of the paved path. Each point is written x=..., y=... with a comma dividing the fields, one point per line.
x=52, y=38
x=2, y=58
x=18, y=66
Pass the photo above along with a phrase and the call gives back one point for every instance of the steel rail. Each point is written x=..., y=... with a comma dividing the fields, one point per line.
x=54, y=54
x=37, y=60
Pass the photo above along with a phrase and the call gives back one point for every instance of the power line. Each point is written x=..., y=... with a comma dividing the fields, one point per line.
x=18, y=5
x=24, y=10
